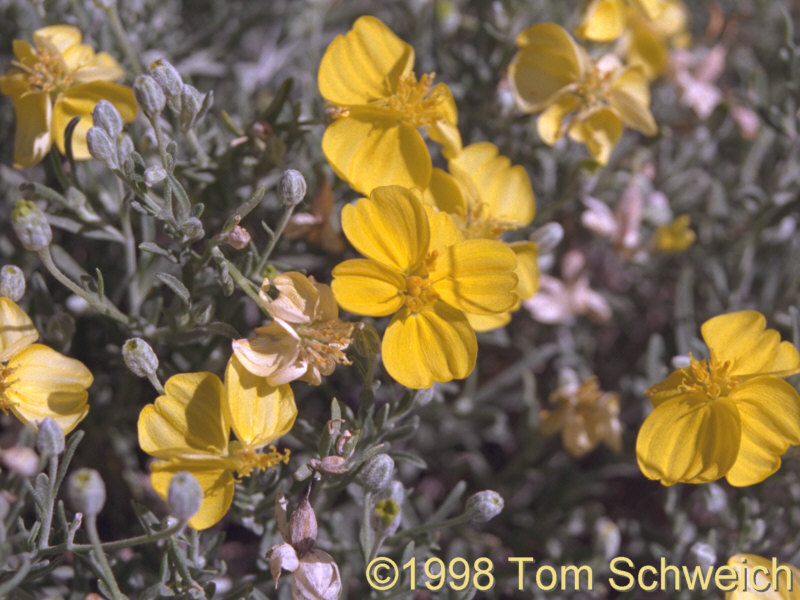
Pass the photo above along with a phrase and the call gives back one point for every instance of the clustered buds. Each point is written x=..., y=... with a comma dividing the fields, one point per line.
x=31, y=226
x=12, y=283
x=149, y=95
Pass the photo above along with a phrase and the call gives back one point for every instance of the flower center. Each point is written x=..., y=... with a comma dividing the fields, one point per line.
x=419, y=288
x=708, y=377
x=324, y=343
x=246, y=459
x=48, y=74
x=415, y=101
x=480, y=224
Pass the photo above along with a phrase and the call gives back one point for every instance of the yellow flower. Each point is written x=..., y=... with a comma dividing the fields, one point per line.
x=588, y=99
x=586, y=416
x=731, y=415
x=188, y=429
x=37, y=382
x=759, y=578
x=649, y=28
x=306, y=338
x=367, y=75
x=420, y=268
x=54, y=81
x=675, y=237
x=487, y=196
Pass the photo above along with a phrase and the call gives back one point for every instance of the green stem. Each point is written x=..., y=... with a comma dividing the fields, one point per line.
x=154, y=381
x=429, y=527
x=100, y=557
x=19, y=577
x=47, y=518
x=131, y=267
x=247, y=286
x=276, y=235
x=102, y=305
x=110, y=9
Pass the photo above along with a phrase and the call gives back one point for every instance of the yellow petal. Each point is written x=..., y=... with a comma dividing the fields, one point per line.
x=770, y=411
x=600, y=130
x=259, y=413
x=189, y=420
x=98, y=67
x=32, y=139
x=368, y=152
x=297, y=297
x=604, y=20
x=445, y=131
x=742, y=338
x=550, y=122
x=16, y=329
x=215, y=480
x=527, y=268
x=79, y=101
x=648, y=49
x=390, y=227
x=364, y=64
x=689, y=439
x=366, y=287
x=489, y=322
x=476, y=276
x=25, y=54
x=505, y=189
x=548, y=61
x=58, y=37
x=630, y=95
x=436, y=344
x=444, y=231
x=652, y=9
x=44, y=383
x=271, y=353
x=445, y=194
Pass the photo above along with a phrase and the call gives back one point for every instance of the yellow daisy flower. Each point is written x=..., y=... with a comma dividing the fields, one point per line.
x=37, y=382
x=760, y=578
x=486, y=196
x=305, y=340
x=420, y=269
x=188, y=429
x=647, y=28
x=730, y=416
x=379, y=104
x=53, y=81
x=589, y=100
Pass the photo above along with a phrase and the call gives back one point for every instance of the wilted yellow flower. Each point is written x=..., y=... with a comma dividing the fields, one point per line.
x=731, y=415
x=648, y=29
x=586, y=416
x=759, y=578
x=53, y=81
x=37, y=382
x=487, y=196
x=589, y=100
x=367, y=75
x=420, y=268
x=675, y=237
x=189, y=428
x=306, y=338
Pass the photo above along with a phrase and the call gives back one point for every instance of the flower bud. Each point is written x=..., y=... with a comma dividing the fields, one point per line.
x=191, y=106
x=192, y=229
x=21, y=460
x=101, y=147
x=50, y=438
x=107, y=117
x=12, y=282
x=184, y=495
x=86, y=492
x=125, y=149
x=316, y=578
x=548, y=237
x=60, y=329
x=139, y=357
x=149, y=95
x=238, y=238
x=292, y=187
x=387, y=515
x=303, y=528
x=484, y=506
x=153, y=175
x=367, y=341
x=167, y=77
x=377, y=473
x=31, y=226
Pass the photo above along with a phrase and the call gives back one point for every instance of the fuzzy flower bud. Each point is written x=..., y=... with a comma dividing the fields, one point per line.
x=153, y=175
x=102, y=147
x=484, y=506
x=548, y=237
x=192, y=229
x=50, y=438
x=292, y=187
x=20, y=460
x=367, y=341
x=191, y=106
x=377, y=473
x=184, y=495
x=139, y=357
x=12, y=282
x=167, y=77
x=303, y=528
x=238, y=238
x=31, y=226
x=107, y=117
x=149, y=95
x=86, y=491
x=387, y=515
x=316, y=578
